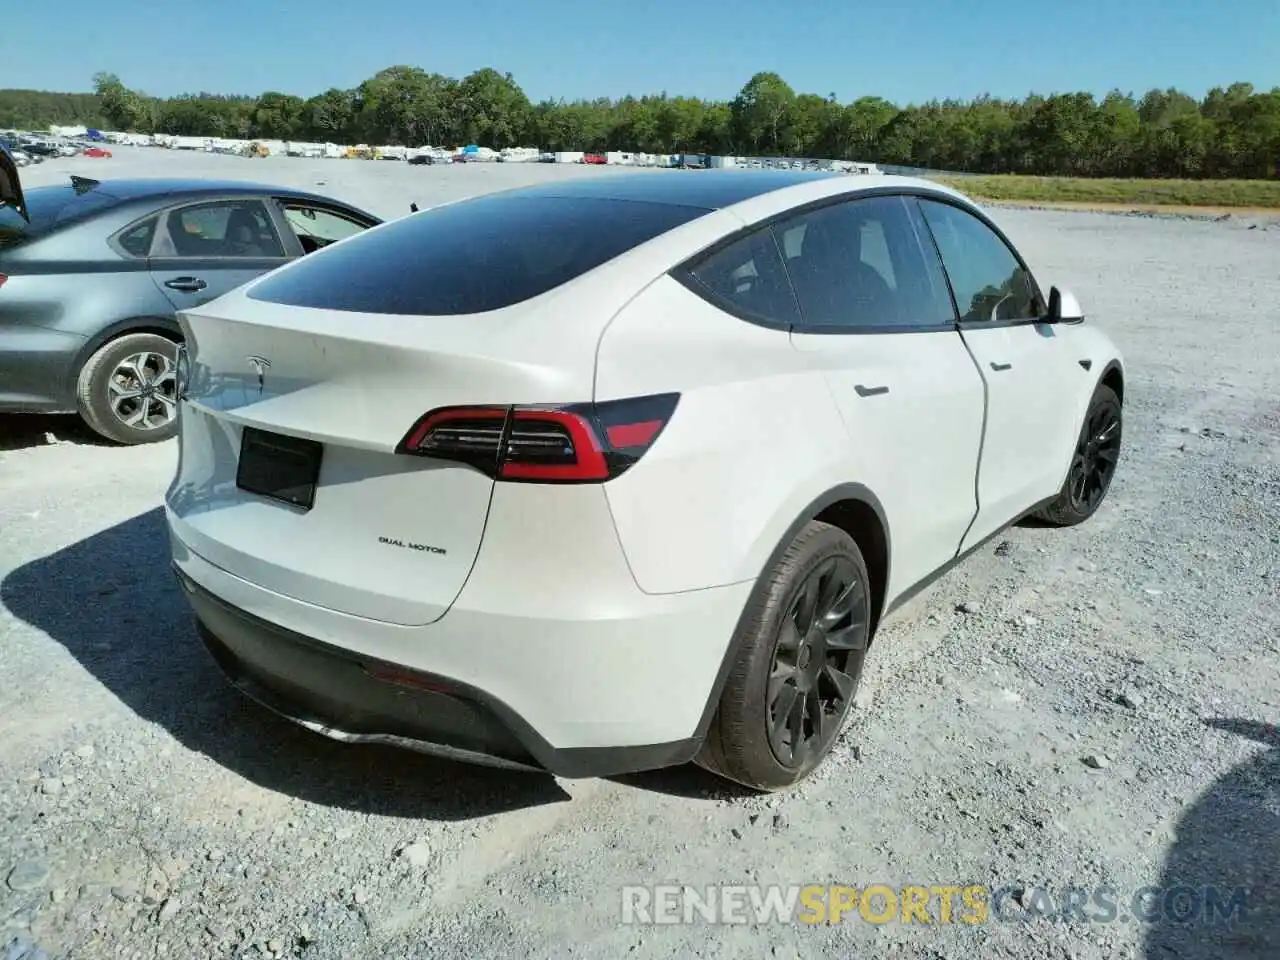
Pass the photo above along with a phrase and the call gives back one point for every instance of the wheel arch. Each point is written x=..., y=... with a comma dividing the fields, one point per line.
x=166, y=327
x=850, y=507
x=862, y=518
x=1113, y=377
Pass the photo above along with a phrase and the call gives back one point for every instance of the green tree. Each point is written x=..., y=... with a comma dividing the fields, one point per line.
x=808, y=124
x=491, y=109
x=278, y=116
x=861, y=128
x=1233, y=132
x=760, y=110
x=680, y=121
x=404, y=105
x=123, y=108
x=330, y=116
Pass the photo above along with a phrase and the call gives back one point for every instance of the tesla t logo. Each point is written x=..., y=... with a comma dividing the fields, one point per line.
x=260, y=366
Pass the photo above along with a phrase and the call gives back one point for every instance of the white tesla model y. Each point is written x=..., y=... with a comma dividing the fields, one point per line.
x=623, y=471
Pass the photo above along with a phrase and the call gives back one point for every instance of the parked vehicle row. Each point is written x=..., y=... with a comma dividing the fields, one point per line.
x=28, y=149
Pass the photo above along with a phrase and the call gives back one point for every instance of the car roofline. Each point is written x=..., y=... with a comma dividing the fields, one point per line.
x=765, y=206
x=690, y=240
x=142, y=189
x=783, y=189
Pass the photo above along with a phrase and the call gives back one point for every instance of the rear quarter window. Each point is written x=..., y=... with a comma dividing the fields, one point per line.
x=471, y=257
x=136, y=240
x=748, y=278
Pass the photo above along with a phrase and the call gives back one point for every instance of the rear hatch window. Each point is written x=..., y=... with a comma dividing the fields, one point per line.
x=470, y=257
x=50, y=207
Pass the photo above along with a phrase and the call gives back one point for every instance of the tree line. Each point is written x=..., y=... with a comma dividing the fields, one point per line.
x=1232, y=131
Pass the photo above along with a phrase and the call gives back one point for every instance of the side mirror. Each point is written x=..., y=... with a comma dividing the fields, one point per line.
x=1064, y=307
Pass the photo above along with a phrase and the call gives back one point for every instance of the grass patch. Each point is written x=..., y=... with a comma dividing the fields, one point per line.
x=1139, y=193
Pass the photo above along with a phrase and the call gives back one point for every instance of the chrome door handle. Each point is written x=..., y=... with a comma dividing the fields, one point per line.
x=864, y=391
x=1001, y=366
x=186, y=284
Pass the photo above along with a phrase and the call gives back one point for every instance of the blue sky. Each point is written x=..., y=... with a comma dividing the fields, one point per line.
x=907, y=52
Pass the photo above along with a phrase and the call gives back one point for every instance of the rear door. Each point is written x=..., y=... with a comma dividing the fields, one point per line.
x=877, y=318
x=203, y=250
x=1031, y=379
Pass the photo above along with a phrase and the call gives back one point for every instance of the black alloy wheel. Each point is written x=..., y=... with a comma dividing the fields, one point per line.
x=797, y=660
x=1093, y=462
x=1096, y=456
x=817, y=662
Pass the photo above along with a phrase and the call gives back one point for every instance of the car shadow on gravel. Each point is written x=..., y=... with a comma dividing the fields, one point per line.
x=113, y=602
x=688, y=781
x=1227, y=842
x=20, y=431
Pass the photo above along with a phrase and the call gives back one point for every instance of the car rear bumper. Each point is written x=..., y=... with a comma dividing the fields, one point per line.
x=34, y=369
x=576, y=698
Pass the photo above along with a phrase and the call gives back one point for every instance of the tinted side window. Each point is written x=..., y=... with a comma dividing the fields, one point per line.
x=748, y=277
x=862, y=265
x=988, y=281
x=226, y=228
x=136, y=241
x=474, y=256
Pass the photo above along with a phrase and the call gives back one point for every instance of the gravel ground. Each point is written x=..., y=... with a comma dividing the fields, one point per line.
x=1081, y=708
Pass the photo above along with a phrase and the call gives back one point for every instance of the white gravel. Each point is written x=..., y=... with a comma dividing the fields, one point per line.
x=1105, y=715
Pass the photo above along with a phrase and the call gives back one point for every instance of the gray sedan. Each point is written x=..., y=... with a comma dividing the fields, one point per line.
x=92, y=273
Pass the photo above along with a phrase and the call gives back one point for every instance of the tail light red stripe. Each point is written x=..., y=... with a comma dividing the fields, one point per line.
x=625, y=435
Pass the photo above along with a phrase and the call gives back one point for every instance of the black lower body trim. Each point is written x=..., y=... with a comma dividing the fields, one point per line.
x=846, y=491
x=356, y=699
x=961, y=556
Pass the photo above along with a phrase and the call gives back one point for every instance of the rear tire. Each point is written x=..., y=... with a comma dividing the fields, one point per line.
x=1093, y=463
x=800, y=647
x=127, y=391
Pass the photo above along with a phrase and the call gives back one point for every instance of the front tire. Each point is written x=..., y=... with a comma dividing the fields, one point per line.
x=127, y=391
x=1093, y=464
x=801, y=647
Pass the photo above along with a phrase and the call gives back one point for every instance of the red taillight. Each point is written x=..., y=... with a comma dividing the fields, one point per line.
x=633, y=434
x=3, y=278
x=578, y=443
x=552, y=445
x=476, y=428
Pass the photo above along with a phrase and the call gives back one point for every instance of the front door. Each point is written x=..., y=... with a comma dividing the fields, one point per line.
x=203, y=250
x=1030, y=377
